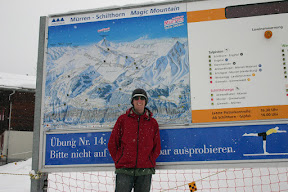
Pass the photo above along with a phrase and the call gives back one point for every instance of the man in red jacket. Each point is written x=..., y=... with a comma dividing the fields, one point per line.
x=134, y=145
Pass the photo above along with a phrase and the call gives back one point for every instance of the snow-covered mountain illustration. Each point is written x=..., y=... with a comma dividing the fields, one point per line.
x=91, y=85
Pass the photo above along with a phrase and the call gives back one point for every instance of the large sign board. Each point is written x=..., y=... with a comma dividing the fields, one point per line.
x=215, y=73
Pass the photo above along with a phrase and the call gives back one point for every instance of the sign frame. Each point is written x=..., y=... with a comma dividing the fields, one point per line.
x=40, y=135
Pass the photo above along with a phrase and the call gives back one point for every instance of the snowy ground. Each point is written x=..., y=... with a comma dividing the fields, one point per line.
x=20, y=182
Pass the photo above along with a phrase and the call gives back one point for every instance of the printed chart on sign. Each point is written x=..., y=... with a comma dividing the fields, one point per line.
x=95, y=62
x=240, y=62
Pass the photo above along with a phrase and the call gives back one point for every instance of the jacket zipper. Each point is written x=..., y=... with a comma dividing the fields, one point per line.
x=137, y=142
x=150, y=160
x=120, y=139
x=119, y=158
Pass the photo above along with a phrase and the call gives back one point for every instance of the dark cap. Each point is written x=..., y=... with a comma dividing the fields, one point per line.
x=139, y=92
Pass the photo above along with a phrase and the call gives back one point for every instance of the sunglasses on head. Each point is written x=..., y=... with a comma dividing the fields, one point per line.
x=139, y=97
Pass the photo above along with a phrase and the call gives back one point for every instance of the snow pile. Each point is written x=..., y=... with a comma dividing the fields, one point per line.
x=14, y=177
x=17, y=81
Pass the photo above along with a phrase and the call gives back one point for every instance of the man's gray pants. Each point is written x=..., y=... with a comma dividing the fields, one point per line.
x=125, y=183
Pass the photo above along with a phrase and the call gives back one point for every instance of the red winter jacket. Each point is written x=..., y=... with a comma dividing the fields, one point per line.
x=135, y=141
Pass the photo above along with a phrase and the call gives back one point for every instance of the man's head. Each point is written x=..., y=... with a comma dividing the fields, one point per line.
x=139, y=94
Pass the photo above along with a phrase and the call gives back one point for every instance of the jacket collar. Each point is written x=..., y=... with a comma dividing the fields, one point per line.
x=147, y=113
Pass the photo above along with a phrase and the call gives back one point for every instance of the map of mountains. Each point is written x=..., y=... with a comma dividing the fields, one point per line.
x=90, y=86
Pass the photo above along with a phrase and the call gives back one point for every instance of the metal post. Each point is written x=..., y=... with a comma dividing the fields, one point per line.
x=37, y=185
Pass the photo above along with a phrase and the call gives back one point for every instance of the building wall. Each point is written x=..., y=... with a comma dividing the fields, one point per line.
x=22, y=117
x=4, y=110
x=22, y=113
x=16, y=144
x=19, y=145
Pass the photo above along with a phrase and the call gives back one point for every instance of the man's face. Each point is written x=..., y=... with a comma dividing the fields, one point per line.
x=139, y=103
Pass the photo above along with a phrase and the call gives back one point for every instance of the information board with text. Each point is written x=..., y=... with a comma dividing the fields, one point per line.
x=183, y=145
x=240, y=61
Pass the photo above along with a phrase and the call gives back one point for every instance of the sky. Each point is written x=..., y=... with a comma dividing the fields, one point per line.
x=19, y=29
